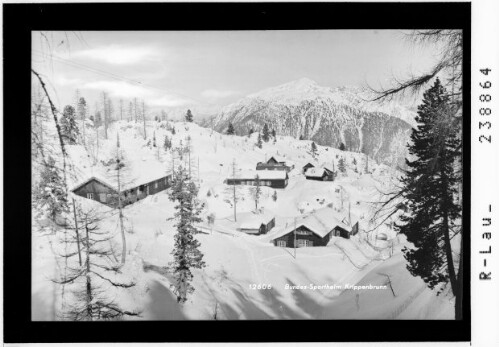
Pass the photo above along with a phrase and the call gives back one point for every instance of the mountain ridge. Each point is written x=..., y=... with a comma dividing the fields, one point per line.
x=328, y=116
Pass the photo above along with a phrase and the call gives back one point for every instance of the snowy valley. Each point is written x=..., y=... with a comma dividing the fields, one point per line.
x=247, y=276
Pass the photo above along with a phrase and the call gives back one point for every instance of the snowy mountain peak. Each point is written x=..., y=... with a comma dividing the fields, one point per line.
x=329, y=116
x=292, y=92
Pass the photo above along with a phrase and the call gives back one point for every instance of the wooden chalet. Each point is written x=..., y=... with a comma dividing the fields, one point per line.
x=99, y=190
x=314, y=230
x=273, y=179
x=319, y=174
x=307, y=166
x=274, y=164
x=255, y=224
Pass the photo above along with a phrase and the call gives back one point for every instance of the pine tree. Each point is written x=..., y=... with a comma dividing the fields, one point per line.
x=189, y=117
x=301, y=137
x=341, y=165
x=232, y=191
x=154, y=139
x=259, y=141
x=81, y=110
x=274, y=196
x=167, y=144
x=354, y=162
x=186, y=251
x=98, y=119
x=313, y=150
x=257, y=191
x=69, y=128
x=342, y=146
x=273, y=133
x=173, y=131
x=51, y=199
x=230, y=129
x=251, y=131
x=107, y=107
x=130, y=111
x=430, y=189
x=265, y=133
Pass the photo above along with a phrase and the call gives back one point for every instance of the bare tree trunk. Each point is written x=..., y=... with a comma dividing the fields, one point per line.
x=57, y=126
x=135, y=108
x=89, y=280
x=106, y=113
x=97, y=145
x=77, y=233
x=459, y=294
x=234, y=189
x=120, y=208
x=446, y=232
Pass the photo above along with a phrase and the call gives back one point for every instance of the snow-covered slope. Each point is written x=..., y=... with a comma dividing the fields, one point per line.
x=235, y=261
x=329, y=116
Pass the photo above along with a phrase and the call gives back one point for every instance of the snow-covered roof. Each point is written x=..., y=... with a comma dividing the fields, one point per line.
x=320, y=222
x=143, y=179
x=314, y=172
x=277, y=159
x=328, y=167
x=250, y=220
x=96, y=178
x=262, y=174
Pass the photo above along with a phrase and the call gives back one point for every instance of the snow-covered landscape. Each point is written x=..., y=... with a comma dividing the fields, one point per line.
x=236, y=260
x=271, y=206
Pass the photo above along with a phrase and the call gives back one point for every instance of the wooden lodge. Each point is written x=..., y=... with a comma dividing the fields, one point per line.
x=98, y=190
x=273, y=179
x=319, y=174
x=274, y=164
x=306, y=167
x=314, y=230
x=255, y=224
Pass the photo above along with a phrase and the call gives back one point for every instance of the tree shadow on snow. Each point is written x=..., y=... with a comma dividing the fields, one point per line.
x=162, y=304
x=305, y=302
x=162, y=270
x=266, y=304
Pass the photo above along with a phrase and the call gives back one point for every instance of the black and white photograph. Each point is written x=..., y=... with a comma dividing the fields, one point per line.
x=247, y=175
x=258, y=172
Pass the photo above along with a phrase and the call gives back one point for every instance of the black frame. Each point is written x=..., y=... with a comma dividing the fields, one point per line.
x=20, y=19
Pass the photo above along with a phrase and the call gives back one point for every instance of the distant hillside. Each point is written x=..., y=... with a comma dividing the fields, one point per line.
x=328, y=116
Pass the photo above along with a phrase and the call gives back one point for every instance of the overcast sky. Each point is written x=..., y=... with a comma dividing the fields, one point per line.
x=175, y=69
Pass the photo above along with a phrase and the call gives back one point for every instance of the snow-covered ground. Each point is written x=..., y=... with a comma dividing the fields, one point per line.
x=237, y=262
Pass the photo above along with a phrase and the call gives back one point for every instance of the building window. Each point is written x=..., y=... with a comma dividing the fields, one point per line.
x=302, y=232
x=304, y=243
x=102, y=197
x=90, y=196
x=281, y=243
x=156, y=185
